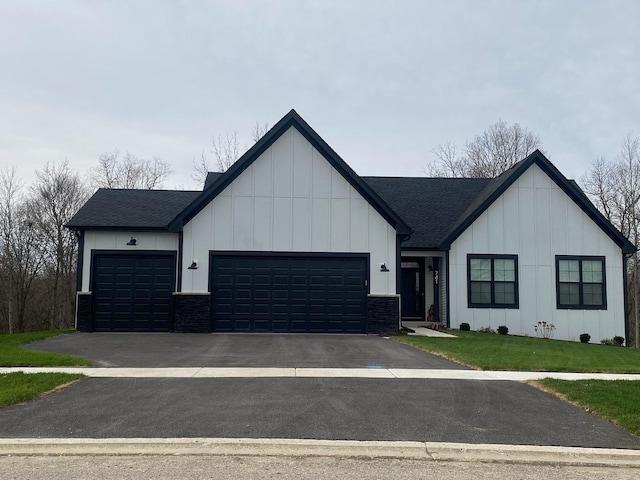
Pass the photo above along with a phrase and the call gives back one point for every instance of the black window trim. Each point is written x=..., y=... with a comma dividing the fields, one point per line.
x=580, y=306
x=513, y=306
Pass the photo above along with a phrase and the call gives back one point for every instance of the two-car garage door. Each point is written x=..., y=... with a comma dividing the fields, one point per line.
x=250, y=292
x=289, y=292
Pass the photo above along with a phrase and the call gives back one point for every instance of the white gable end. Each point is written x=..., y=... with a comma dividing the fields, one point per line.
x=535, y=220
x=290, y=199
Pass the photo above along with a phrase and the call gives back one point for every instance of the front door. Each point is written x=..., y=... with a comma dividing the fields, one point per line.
x=412, y=288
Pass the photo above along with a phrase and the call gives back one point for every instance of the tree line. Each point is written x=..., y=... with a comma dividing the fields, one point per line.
x=38, y=254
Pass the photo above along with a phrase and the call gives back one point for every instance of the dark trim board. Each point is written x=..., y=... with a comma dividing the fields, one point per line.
x=80, y=263
x=296, y=292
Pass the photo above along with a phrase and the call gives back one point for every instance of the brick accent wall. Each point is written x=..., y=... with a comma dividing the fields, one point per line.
x=192, y=313
x=383, y=314
x=83, y=311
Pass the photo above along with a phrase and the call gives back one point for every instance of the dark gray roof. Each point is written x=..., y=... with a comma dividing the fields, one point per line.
x=430, y=206
x=211, y=179
x=114, y=208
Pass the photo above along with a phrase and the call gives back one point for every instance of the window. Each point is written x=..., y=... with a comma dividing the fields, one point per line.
x=493, y=281
x=580, y=282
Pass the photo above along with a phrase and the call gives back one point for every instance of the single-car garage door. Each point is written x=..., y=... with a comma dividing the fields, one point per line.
x=289, y=293
x=132, y=292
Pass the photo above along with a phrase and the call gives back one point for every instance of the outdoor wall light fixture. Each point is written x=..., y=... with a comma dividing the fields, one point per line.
x=193, y=266
x=383, y=267
x=133, y=242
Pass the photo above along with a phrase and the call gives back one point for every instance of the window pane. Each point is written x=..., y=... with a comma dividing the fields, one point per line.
x=592, y=271
x=592, y=294
x=504, y=270
x=569, y=294
x=569, y=270
x=481, y=292
x=505, y=293
x=480, y=269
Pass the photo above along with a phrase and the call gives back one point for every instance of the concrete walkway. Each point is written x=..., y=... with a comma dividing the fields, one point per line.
x=381, y=373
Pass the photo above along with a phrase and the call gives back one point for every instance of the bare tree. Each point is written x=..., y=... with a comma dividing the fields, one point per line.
x=226, y=151
x=258, y=131
x=59, y=194
x=22, y=253
x=614, y=187
x=489, y=154
x=128, y=171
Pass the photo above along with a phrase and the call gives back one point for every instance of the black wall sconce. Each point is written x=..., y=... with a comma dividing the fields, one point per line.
x=193, y=266
x=383, y=267
x=133, y=242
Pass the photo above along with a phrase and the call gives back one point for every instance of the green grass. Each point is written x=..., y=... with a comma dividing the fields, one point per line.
x=488, y=351
x=615, y=400
x=12, y=355
x=20, y=387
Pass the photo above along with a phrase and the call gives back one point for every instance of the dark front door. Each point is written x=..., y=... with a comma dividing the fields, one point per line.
x=268, y=292
x=132, y=292
x=412, y=288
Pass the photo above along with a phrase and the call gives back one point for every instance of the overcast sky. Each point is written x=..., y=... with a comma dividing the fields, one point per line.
x=383, y=82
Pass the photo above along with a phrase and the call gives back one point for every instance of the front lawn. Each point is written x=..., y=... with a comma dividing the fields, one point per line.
x=488, y=351
x=617, y=401
x=20, y=387
x=13, y=355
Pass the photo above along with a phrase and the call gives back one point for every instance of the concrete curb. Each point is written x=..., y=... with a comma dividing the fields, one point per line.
x=427, y=451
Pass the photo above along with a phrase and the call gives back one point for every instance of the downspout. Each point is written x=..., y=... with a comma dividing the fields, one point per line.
x=625, y=289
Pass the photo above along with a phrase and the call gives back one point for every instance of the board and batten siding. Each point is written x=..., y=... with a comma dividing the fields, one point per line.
x=290, y=199
x=100, y=240
x=535, y=220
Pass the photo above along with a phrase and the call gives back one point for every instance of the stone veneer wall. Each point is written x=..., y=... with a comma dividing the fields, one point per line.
x=83, y=311
x=383, y=314
x=192, y=313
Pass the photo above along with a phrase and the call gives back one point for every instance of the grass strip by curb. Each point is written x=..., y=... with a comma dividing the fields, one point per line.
x=13, y=355
x=615, y=400
x=20, y=387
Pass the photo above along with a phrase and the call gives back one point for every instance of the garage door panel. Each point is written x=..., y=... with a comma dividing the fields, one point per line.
x=133, y=292
x=296, y=293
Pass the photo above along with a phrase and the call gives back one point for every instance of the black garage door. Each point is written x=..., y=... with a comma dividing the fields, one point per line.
x=289, y=293
x=132, y=292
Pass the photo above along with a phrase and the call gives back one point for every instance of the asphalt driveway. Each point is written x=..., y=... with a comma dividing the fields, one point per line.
x=241, y=350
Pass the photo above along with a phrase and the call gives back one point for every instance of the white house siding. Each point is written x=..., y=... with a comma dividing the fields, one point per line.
x=536, y=220
x=98, y=240
x=290, y=200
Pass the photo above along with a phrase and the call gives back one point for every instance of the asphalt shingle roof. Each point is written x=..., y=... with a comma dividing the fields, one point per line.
x=430, y=206
x=114, y=208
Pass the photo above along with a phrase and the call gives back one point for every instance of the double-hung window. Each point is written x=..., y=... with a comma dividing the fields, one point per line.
x=580, y=282
x=493, y=281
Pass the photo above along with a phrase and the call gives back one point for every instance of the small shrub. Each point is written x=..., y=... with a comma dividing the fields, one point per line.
x=465, y=327
x=617, y=341
x=486, y=330
x=585, y=337
x=544, y=329
x=503, y=330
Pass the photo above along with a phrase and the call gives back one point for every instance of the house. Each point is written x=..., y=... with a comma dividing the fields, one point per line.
x=291, y=239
